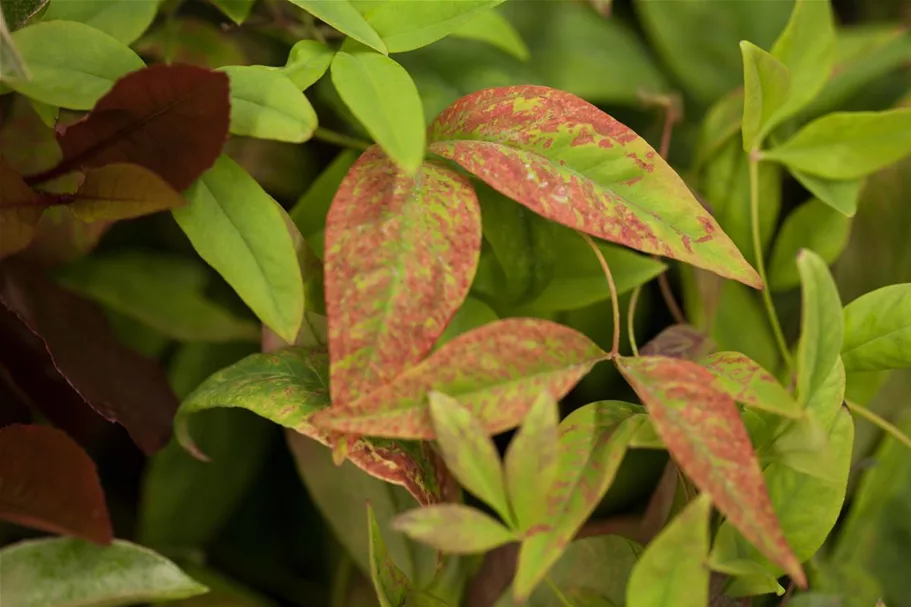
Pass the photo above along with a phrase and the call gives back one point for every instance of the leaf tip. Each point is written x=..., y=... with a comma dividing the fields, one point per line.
x=182, y=433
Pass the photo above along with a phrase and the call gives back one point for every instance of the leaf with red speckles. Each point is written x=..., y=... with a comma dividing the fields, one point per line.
x=390, y=583
x=453, y=528
x=496, y=371
x=170, y=119
x=679, y=341
x=744, y=380
x=48, y=482
x=704, y=433
x=400, y=256
x=593, y=441
x=569, y=161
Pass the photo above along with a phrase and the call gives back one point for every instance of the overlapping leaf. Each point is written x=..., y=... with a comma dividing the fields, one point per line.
x=495, y=371
x=400, y=256
x=453, y=528
x=703, y=430
x=342, y=15
x=307, y=61
x=267, y=104
x=570, y=162
x=48, y=482
x=122, y=191
x=747, y=382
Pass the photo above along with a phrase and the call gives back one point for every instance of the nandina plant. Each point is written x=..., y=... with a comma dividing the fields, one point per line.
x=411, y=249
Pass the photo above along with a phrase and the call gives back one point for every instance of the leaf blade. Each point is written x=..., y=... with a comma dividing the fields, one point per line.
x=822, y=324
x=390, y=583
x=453, y=528
x=267, y=104
x=747, y=382
x=877, y=332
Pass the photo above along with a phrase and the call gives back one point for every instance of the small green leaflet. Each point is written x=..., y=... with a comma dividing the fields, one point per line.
x=878, y=330
x=822, y=325
x=390, y=583
x=672, y=570
x=307, y=62
x=267, y=104
x=747, y=382
x=453, y=528
x=341, y=15
x=767, y=86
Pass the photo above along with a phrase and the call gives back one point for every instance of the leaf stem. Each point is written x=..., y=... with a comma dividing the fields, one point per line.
x=614, y=300
x=630, y=319
x=560, y=596
x=884, y=425
x=668, y=295
x=760, y=262
x=339, y=139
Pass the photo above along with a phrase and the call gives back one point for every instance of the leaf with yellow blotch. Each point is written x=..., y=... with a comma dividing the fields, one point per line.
x=570, y=162
x=122, y=191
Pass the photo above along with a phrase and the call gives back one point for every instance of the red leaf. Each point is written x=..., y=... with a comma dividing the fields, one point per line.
x=703, y=430
x=400, y=256
x=679, y=341
x=567, y=160
x=170, y=119
x=496, y=371
x=119, y=384
x=48, y=482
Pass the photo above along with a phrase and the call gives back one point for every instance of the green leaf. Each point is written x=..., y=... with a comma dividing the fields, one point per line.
x=341, y=15
x=125, y=20
x=680, y=398
x=72, y=65
x=390, y=583
x=841, y=194
x=473, y=314
x=495, y=371
x=142, y=286
x=767, y=87
x=191, y=40
x=309, y=213
x=240, y=231
x=307, y=62
x=671, y=570
x=421, y=264
x=493, y=28
x=719, y=126
x=405, y=25
x=11, y=63
x=742, y=325
x=847, y=145
x=59, y=572
x=530, y=465
x=747, y=382
x=468, y=452
x=383, y=97
x=453, y=528
x=268, y=105
x=236, y=10
x=592, y=174
x=878, y=330
x=814, y=226
x=593, y=442
x=822, y=326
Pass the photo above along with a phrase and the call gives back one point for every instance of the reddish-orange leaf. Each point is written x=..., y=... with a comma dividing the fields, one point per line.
x=570, y=162
x=679, y=341
x=48, y=482
x=400, y=256
x=496, y=371
x=703, y=430
x=170, y=119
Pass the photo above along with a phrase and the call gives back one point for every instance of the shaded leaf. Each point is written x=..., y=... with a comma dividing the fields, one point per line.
x=122, y=191
x=767, y=87
x=124, y=20
x=267, y=104
x=841, y=194
x=420, y=266
x=469, y=453
x=747, y=382
x=192, y=41
x=453, y=528
x=703, y=431
x=404, y=25
x=495, y=371
x=57, y=571
x=383, y=97
x=491, y=27
x=878, y=330
x=822, y=326
x=60, y=53
x=61, y=237
x=620, y=189
x=847, y=145
x=307, y=61
x=236, y=10
x=672, y=569
x=341, y=15
x=390, y=583
x=679, y=341
x=240, y=231
x=73, y=337
x=29, y=146
x=19, y=12
x=49, y=483
x=19, y=211
x=309, y=213
x=530, y=465
x=719, y=126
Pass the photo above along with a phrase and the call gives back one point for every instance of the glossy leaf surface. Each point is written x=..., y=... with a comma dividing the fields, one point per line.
x=878, y=330
x=267, y=104
x=822, y=325
x=453, y=528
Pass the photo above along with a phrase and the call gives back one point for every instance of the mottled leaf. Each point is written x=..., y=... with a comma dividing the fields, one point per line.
x=400, y=256
x=491, y=27
x=341, y=15
x=122, y=191
x=57, y=571
x=125, y=20
x=840, y=194
x=679, y=341
x=878, y=330
x=530, y=464
x=241, y=232
x=453, y=528
x=496, y=371
x=469, y=453
x=822, y=326
x=48, y=482
x=307, y=61
x=390, y=583
x=267, y=104
x=703, y=431
x=59, y=54
x=404, y=25
x=567, y=160
x=747, y=382
x=767, y=86
x=672, y=571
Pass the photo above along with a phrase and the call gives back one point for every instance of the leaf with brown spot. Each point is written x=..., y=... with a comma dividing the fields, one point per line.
x=744, y=380
x=400, y=256
x=679, y=341
x=171, y=119
x=122, y=191
x=569, y=161
x=19, y=211
x=54, y=331
x=496, y=371
x=48, y=482
x=703, y=430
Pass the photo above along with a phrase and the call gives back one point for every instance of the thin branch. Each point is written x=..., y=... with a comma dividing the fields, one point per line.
x=631, y=319
x=884, y=425
x=615, y=303
x=672, y=115
x=340, y=139
x=668, y=295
